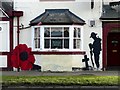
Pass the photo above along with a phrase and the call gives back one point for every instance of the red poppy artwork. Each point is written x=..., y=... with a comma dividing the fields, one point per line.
x=22, y=57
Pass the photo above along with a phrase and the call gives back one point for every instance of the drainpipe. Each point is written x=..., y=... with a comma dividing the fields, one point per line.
x=18, y=31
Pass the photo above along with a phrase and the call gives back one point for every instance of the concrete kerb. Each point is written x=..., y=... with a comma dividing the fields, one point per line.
x=63, y=87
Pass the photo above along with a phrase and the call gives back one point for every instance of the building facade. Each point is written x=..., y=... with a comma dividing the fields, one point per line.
x=59, y=32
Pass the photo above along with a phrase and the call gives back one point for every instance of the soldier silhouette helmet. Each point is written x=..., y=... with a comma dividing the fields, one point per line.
x=93, y=35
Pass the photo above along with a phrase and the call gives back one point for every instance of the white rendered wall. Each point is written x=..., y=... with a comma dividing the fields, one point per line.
x=3, y=61
x=59, y=62
x=82, y=9
x=4, y=36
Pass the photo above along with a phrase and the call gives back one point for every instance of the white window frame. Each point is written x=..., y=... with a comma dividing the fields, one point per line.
x=71, y=33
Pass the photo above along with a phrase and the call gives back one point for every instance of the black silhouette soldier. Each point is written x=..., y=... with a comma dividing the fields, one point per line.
x=95, y=48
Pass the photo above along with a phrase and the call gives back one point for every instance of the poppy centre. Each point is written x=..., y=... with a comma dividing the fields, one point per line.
x=24, y=56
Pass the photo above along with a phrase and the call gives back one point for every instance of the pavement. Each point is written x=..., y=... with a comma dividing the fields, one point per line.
x=49, y=73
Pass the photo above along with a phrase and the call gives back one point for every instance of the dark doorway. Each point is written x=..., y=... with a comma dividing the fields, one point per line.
x=113, y=49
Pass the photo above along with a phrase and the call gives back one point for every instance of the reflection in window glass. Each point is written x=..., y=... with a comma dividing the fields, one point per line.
x=47, y=43
x=79, y=32
x=66, y=43
x=75, y=32
x=66, y=32
x=77, y=36
x=56, y=43
x=74, y=43
x=78, y=43
x=47, y=32
x=35, y=43
x=56, y=32
x=38, y=42
x=37, y=37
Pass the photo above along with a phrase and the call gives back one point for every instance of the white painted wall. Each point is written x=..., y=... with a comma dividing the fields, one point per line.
x=3, y=61
x=4, y=36
x=82, y=9
x=1, y=14
x=4, y=42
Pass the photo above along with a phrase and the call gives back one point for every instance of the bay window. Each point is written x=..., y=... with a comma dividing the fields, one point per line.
x=62, y=38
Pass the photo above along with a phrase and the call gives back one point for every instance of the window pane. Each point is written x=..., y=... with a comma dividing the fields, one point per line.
x=74, y=43
x=47, y=32
x=35, y=32
x=38, y=32
x=56, y=32
x=75, y=31
x=78, y=44
x=66, y=32
x=37, y=37
x=77, y=37
x=38, y=42
x=47, y=43
x=66, y=43
x=56, y=43
x=35, y=43
x=79, y=32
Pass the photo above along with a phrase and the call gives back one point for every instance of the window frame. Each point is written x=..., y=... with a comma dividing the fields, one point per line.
x=71, y=37
x=76, y=37
x=37, y=37
x=52, y=38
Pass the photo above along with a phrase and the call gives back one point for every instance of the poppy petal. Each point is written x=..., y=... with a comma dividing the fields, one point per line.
x=26, y=66
x=22, y=47
x=31, y=59
x=28, y=50
x=13, y=61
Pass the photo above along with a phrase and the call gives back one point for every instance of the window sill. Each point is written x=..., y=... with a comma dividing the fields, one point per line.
x=59, y=52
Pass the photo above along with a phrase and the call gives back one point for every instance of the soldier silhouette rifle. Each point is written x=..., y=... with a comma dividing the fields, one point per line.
x=95, y=49
x=91, y=54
